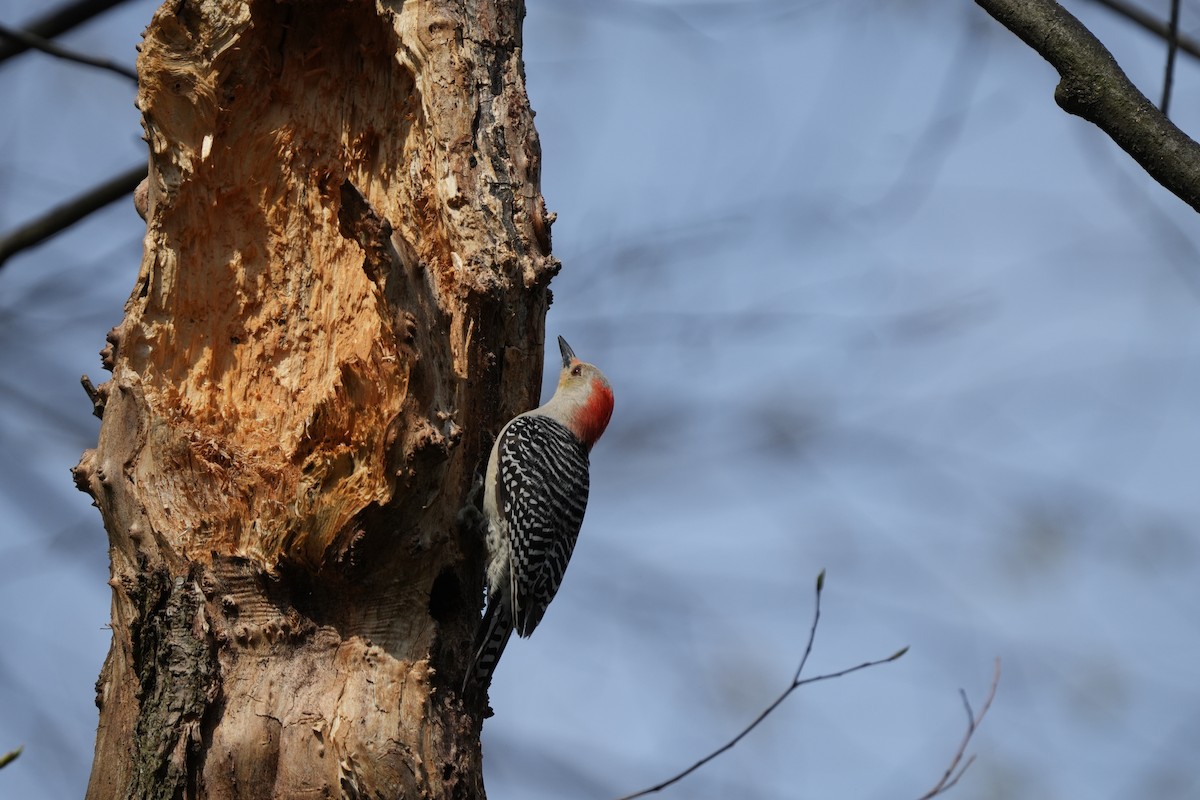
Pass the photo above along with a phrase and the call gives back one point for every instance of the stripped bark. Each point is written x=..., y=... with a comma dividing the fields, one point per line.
x=342, y=296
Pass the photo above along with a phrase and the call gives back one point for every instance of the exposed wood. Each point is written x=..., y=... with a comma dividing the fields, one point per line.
x=342, y=297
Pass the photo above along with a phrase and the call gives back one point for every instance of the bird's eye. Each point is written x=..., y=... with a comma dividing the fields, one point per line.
x=577, y=371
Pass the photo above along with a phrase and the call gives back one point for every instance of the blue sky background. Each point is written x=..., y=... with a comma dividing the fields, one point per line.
x=870, y=302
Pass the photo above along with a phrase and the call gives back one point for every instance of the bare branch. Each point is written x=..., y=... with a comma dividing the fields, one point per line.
x=59, y=219
x=1150, y=23
x=957, y=765
x=1093, y=87
x=795, y=684
x=56, y=22
x=35, y=42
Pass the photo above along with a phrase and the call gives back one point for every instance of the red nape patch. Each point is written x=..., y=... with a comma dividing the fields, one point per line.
x=593, y=418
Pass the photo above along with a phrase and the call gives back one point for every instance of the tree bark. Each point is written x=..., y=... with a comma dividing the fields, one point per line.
x=1093, y=86
x=342, y=297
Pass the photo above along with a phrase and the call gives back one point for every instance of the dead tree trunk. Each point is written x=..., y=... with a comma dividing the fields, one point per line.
x=342, y=297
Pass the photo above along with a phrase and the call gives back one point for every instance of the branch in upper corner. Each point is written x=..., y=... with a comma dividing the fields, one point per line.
x=955, y=771
x=56, y=220
x=1092, y=86
x=795, y=684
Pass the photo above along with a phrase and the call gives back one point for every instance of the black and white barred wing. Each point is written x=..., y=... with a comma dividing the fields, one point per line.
x=543, y=490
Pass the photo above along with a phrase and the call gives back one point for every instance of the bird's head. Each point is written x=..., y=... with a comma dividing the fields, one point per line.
x=585, y=394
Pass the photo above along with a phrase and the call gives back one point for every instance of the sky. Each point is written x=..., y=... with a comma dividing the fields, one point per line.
x=870, y=303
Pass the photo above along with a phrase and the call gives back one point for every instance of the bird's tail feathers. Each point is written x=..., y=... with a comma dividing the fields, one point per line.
x=494, y=630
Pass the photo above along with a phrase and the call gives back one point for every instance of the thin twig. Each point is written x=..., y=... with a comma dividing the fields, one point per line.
x=10, y=756
x=1150, y=23
x=56, y=22
x=955, y=771
x=795, y=684
x=1172, y=49
x=59, y=219
x=35, y=42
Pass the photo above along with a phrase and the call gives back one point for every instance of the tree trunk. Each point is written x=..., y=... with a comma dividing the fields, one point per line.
x=342, y=297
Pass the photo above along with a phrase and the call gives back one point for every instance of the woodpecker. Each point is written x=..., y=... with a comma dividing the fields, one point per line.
x=535, y=493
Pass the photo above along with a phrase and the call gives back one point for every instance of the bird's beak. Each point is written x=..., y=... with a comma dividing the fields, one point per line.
x=567, y=353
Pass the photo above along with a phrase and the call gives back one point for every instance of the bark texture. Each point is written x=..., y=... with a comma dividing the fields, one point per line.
x=342, y=297
x=1093, y=86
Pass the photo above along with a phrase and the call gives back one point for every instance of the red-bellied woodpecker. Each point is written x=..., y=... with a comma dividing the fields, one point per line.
x=535, y=493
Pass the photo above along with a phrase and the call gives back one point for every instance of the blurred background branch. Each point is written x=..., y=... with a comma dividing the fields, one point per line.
x=56, y=22
x=1172, y=51
x=35, y=42
x=1148, y=22
x=37, y=35
x=64, y=216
